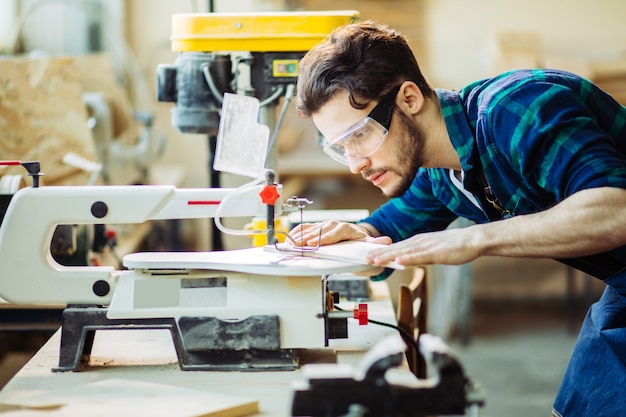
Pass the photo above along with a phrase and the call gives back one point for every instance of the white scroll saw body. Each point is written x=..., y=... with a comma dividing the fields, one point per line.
x=229, y=285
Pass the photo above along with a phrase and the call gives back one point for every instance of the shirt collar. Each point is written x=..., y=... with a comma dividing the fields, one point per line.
x=457, y=125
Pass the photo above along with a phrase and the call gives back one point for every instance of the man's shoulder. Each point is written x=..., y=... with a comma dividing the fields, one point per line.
x=521, y=78
x=523, y=85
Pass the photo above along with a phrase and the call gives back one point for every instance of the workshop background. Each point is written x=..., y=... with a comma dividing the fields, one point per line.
x=513, y=322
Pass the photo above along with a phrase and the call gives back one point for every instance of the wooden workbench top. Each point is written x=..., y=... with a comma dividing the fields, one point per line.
x=138, y=358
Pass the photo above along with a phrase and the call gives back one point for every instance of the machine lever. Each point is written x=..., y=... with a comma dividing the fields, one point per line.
x=32, y=167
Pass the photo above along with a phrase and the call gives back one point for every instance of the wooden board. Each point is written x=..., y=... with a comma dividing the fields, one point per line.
x=42, y=117
x=252, y=260
x=352, y=251
x=126, y=397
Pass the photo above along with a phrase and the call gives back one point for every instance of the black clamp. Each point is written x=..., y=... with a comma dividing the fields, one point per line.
x=334, y=390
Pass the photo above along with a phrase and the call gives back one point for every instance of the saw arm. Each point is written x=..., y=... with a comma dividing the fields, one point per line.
x=30, y=275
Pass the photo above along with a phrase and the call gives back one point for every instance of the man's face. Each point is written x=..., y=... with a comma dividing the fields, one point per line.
x=393, y=165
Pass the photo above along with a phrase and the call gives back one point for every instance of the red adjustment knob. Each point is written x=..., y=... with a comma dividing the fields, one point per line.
x=110, y=234
x=269, y=195
x=360, y=314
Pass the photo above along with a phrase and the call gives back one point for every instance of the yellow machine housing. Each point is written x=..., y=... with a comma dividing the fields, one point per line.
x=271, y=44
x=255, y=32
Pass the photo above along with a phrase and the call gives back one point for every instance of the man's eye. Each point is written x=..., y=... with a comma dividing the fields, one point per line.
x=360, y=134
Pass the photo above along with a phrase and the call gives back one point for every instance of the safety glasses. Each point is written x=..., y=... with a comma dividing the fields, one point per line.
x=366, y=137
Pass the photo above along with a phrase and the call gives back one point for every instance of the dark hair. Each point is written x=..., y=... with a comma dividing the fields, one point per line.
x=366, y=59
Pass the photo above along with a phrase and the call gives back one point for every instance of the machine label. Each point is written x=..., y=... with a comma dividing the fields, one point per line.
x=285, y=67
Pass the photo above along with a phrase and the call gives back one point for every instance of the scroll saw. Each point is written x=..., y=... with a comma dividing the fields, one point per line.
x=246, y=309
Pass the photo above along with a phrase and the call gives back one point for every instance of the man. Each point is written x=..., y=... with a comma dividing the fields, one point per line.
x=535, y=158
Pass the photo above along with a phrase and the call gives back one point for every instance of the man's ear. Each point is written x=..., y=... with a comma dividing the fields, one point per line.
x=410, y=97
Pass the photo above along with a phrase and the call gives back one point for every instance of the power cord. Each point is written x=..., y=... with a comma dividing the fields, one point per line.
x=403, y=332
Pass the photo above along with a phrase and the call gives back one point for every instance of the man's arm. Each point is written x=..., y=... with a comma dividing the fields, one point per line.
x=588, y=222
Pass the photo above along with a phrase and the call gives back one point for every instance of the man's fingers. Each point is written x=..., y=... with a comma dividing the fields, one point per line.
x=329, y=232
x=397, y=252
x=381, y=240
x=302, y=234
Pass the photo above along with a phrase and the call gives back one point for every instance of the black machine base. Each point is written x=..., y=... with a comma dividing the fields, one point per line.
x=201, y=343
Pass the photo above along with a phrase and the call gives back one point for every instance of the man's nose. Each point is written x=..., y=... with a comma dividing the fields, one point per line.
x=357, y=164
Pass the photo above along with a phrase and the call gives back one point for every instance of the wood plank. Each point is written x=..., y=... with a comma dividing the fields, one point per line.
x=353, y=251
x=260, y=261
x=120, y=396
x=42, y=116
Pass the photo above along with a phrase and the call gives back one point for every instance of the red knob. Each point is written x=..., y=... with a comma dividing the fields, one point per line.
x=360, y=314
x=269, y=195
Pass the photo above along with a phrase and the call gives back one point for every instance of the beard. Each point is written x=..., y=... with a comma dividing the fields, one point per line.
x=409, y=158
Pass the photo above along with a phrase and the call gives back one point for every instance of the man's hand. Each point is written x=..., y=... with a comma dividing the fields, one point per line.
x=448, y=247
x=332, y=231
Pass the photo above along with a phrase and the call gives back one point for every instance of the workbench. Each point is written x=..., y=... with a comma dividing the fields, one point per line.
x=148, y=356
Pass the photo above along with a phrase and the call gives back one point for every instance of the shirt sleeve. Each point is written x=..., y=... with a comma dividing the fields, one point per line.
x=417, y=211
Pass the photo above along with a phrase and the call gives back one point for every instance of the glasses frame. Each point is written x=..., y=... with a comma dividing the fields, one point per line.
x=381, y=114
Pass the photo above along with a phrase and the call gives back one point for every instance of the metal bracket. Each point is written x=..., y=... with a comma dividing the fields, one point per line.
x=201, y=343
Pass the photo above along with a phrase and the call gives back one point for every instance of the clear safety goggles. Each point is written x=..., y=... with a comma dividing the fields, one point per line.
x=367, y=136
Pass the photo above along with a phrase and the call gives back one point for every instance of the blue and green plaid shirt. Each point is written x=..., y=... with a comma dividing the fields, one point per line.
x=538, y=135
